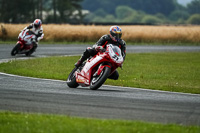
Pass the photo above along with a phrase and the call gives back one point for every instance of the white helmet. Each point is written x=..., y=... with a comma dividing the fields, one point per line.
x=37, y=23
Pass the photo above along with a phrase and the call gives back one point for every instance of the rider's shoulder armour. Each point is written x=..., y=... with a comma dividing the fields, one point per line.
x=105, y=37
x=123, y=42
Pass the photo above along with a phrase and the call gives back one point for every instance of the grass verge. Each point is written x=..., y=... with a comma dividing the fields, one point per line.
x=11, y=122
x=177, y=72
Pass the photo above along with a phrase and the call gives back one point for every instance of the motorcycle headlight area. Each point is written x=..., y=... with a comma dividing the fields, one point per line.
x=115, y=54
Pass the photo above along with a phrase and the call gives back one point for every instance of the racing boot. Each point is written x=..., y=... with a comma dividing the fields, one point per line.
x=34, y=48
x=85, y=55
x=78, y=63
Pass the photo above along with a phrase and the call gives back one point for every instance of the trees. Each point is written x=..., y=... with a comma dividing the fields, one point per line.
x=194, y=7
x=178, y=14
x=194, y=19
x=70, y=11
x=151, y=19
x=140, y=11
x=15, y=11
x=123, y=11
x=149, y=6
x=133, y=11
x=154, y=6
x=23, y=11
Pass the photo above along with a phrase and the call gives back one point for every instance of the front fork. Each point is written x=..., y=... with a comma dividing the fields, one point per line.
x=101, y=67
x=21, y=44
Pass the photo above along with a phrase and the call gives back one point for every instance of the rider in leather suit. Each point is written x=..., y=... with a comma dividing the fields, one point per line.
x=113, y=38
x=36, y=28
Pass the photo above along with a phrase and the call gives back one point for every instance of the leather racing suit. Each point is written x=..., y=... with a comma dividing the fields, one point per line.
x=103, y=41
x=37, y=31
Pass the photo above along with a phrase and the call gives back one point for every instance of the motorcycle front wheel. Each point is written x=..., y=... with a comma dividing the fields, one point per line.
x=98, y=80
x=15, y=50
x=71, y=80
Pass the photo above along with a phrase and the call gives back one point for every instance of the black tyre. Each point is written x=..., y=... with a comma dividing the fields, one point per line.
x=29, y=52
x=15, y=50
x=71, y=80
x=97, y=81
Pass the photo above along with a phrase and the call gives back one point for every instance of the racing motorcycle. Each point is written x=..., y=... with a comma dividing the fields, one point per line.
x=25, y=44
x=97, y=69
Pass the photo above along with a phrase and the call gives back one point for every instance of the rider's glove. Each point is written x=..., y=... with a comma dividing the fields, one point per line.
x=98, y=48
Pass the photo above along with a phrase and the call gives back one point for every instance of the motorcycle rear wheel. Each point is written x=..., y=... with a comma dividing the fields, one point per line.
x=29, y=52
x=71, y=80
x=15, y=50
x=98, y=81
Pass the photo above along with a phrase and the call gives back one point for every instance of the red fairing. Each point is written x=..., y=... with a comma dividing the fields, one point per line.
x=96, y=64
x=101, y=68
x=25, y=43
x=23, y=32
x=84, y=77
x=21, y=43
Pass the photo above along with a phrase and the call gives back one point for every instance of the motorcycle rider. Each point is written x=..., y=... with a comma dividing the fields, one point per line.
x=36, y=28
x=113, y=38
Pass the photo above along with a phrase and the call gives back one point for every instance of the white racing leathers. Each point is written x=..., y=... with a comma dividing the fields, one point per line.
x=27, y=37
x=37, y=31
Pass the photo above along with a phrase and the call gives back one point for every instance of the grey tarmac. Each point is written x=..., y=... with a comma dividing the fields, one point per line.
x=24, y=94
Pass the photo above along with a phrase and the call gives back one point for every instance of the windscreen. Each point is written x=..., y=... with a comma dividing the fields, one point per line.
x=116, y=50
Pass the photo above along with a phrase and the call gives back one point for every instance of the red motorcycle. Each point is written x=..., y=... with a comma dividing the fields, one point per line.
x=25, y=44
x=96, y=70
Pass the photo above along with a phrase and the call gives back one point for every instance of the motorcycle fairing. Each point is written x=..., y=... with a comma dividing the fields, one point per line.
x=84, y=77
x=101, y=68
x=21, y=43
x=116, y=54
x=24, y=39
x=91, y=63
x=96, y=65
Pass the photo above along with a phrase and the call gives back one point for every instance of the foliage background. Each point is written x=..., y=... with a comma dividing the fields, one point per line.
x=103, y=11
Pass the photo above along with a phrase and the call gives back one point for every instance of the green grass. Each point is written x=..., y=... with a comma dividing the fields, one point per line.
x=177, y=72
x=11, y=122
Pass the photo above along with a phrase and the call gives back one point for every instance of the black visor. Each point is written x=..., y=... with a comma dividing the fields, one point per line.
x=36, y=25
x=116, y=35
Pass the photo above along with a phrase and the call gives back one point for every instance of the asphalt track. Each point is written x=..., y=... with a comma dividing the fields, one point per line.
x=24, y=94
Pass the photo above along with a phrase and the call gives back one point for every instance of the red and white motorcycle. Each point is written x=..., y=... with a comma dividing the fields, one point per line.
x=25, y=44
x=95, y=71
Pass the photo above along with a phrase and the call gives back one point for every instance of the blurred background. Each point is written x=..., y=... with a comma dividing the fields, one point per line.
x=131, y=12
